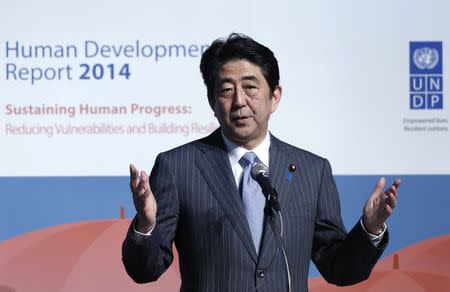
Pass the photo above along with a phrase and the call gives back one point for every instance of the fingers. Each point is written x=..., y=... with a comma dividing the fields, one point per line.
x=391, y=200
x=393, y=188
x=388, y=211
x=143, y=185
x=379, y=186
x=139, y=182
x=390, y=196
x=380, y=205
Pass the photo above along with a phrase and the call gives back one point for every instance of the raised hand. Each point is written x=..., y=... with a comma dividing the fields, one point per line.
x=379, y=206
x=143, y=199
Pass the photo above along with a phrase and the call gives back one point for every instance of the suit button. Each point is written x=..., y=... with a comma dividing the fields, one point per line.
x=260, y=273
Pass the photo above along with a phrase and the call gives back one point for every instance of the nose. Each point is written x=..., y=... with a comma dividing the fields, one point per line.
x=239, y=99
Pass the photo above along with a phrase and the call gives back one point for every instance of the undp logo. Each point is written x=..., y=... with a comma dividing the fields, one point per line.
x=425, y=81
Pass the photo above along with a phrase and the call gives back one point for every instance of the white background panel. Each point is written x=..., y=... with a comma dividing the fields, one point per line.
x=344, y=71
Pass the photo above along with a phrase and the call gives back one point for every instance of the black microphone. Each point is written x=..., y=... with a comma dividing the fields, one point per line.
x=260, y=173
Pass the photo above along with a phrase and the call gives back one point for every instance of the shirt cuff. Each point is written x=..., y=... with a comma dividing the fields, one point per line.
x=144, y=234
x=375, y=239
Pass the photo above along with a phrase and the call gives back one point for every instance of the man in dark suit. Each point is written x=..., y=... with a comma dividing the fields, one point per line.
x=196, y=195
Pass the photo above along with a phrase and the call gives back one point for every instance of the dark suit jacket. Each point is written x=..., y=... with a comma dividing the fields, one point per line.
x=199, y=207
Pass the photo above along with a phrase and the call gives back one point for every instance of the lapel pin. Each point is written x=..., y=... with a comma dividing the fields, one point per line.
x=292, y=168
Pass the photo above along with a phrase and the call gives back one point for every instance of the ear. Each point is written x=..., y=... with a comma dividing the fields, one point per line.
x=276, y=97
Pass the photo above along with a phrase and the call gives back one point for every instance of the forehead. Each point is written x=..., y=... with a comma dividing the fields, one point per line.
x=239, y=69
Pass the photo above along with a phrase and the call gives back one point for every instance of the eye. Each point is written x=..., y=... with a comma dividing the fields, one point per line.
x=226, y=90
x=250, y=88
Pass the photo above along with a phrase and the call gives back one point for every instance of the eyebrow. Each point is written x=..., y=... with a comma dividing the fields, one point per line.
x=250, y=77
x=247, y=77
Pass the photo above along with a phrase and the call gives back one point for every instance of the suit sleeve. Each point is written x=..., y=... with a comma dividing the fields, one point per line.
x=342, y=259
x=145, y=260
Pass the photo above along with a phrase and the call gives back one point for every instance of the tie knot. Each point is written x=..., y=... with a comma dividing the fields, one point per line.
x=248, y=159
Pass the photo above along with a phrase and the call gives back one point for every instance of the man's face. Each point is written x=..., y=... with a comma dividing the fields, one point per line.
x=243, y=102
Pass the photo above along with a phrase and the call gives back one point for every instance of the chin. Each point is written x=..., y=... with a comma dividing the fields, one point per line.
x=241, y=133
x=241, y=138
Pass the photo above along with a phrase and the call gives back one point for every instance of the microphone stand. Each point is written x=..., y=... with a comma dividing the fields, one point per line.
x=272, y=207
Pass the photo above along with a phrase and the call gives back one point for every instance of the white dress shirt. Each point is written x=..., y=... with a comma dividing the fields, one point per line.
x=236, y=152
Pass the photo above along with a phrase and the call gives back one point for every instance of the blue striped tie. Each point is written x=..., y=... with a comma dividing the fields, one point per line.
x=253, y=199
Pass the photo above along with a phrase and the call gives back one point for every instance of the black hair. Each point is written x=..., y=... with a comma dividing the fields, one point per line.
x=237, y=47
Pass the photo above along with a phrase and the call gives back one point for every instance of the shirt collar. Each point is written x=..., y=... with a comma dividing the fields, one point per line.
x=236, y=152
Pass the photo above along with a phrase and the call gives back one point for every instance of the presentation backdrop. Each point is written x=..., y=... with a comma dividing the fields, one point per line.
x=88, y=87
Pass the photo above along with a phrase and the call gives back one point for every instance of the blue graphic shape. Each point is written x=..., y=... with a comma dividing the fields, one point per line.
x=425, y=57
x=417, y=101
x=417, y=84
x=435, y=101
x=434, y=84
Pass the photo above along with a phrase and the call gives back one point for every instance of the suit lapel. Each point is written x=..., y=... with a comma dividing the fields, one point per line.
x=279, y=162
x=215, y=168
